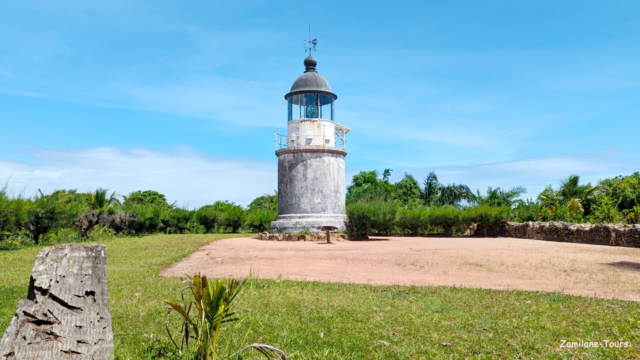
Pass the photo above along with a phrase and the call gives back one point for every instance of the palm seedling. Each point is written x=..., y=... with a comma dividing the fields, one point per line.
x=205, y=314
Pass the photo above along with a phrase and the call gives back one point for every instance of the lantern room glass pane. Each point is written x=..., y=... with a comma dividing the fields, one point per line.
x=310, y=106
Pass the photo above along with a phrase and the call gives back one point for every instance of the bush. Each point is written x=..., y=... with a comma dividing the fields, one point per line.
x=208, y=217
x=446, y=217
x=17, y=240
x=360, y=215
x=366, y=215
x=146, y=219
x=232, y=216
x=13, y=213
x=383, y=215
x=179, y=221
x=260, y=219
x=412, y=221
x=61, y=236
x=56, y=210
x=484, y=216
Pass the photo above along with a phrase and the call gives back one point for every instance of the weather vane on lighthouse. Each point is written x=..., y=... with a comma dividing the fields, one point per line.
x=310, y=45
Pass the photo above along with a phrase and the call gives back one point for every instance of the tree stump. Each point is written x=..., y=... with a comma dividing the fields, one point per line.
x=66, y=314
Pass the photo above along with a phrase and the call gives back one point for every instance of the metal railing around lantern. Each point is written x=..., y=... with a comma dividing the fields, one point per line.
x=285, y=141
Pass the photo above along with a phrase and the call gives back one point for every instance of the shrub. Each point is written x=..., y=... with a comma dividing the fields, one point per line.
x=447, y=217
x=360, y=215
x=13, y=214
x=526, y=211
x=146, y=219
x=383, y=215
x=484, y=216
x=412, y=221
x=17, y=240
x=47, y=212
x=606, y=211
x=260, y=219
x=178, y=221
x=233, y=218
x=61, y=236
x=208, y=217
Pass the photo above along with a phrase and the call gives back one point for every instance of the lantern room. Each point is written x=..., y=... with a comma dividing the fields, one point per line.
x=311, y=113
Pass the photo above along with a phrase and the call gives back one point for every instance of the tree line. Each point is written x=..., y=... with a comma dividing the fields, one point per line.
x=68, y=215
x=374, y=205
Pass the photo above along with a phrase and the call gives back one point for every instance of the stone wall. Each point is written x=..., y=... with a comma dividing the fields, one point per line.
x=601, y=234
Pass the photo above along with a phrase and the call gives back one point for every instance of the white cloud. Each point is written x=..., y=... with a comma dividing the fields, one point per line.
x=189, y=178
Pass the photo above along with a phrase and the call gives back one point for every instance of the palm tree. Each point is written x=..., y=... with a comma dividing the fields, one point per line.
x=98, y=199
x=431, y=188
x=570, y=188
x=437, y=194
x=453, y=194
x=575, y=195
x=499, y=197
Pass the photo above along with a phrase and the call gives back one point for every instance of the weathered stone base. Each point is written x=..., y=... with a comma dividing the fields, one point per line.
x=296, y=224
x=322, y=237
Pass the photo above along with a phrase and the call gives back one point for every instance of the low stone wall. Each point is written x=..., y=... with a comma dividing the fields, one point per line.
x=301, y=237
x=601, y=234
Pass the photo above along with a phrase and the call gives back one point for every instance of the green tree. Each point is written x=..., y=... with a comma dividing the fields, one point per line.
x=407, y=191
x=367, y=186
x=578, y=198
x=266, y=201
x=148, y=197
x=262, y=211
x=623, y=191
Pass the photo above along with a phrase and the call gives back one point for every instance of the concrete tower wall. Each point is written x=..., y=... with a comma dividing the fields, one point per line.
x=311, y=190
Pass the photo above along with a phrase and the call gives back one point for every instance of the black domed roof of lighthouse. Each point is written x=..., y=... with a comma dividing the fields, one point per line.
x=310, y=81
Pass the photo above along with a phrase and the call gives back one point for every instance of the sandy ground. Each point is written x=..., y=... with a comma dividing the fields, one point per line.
x=493, y=263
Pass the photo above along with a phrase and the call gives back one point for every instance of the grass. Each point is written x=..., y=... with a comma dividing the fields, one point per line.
x=311, y=320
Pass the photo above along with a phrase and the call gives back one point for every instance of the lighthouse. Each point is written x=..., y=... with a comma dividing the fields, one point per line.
x=311, y=157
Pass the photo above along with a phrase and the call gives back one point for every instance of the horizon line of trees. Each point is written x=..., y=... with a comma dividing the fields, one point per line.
x=71, y=214
x=74, y=215
x=612, y=200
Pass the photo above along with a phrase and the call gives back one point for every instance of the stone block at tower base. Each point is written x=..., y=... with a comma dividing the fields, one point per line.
x=297, y=224
x=66, y=314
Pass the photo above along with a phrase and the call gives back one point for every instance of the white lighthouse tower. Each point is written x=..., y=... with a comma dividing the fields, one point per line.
x=311, y=153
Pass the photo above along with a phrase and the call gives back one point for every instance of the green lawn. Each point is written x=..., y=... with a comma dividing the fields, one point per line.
x=312, y=320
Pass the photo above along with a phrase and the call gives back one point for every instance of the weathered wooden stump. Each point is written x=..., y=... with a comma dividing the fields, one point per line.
x=328, y=229
x=66, y=314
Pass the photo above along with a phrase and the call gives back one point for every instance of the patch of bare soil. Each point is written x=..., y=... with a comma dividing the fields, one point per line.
x=492, y=263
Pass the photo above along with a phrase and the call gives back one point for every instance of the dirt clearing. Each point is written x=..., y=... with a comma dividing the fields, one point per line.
x=492, y=263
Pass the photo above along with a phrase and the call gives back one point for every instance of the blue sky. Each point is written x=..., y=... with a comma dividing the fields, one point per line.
x=183, y=96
